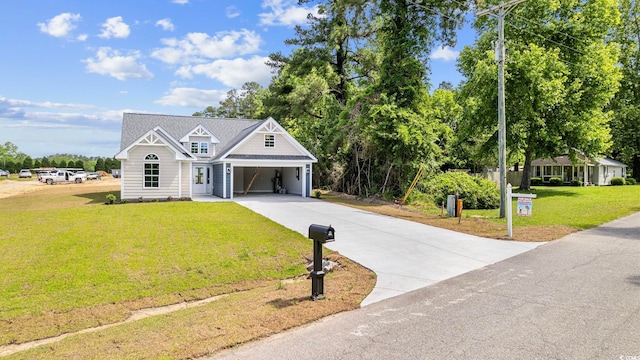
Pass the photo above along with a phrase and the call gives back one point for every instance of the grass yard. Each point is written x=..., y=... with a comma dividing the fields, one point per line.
x=71, y=263
x=577, y=207
x=557, y=211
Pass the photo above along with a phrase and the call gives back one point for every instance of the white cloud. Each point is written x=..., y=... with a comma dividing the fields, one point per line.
x=445, y=53
x=111, y=62
x=232, y=12
x=114, y=27
x=285, y=13
x=60, y=25
x=82, y=37
x=233, y=73
x=46, y=128
x=166, y=24
x=181, y=2
x=196, y=47
x=191, y=97
x=14, y=103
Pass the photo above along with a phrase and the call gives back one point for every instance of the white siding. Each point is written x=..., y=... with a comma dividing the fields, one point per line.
x=186, y=179
x=133, y=169
x=255, y=146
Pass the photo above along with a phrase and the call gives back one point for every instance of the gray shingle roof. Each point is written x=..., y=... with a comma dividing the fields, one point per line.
x=565, y=160
x=228, y=131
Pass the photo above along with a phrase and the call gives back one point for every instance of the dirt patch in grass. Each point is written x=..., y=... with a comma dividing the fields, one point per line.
x=468, y=225
x=9, y=188
x=261, y=310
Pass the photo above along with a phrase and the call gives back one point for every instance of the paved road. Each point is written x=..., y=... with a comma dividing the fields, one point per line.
x=404, y=255
x=575, y=298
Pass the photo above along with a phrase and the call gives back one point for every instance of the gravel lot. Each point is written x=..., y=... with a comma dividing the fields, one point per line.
x=13, y=187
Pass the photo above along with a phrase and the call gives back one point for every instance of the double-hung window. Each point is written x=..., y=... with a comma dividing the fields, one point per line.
x=151, y=171
x=199, y=147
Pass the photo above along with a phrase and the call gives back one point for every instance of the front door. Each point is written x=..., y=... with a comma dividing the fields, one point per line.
x=202, y=179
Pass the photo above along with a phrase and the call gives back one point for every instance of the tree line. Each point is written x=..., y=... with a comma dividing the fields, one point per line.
x=12, y=160
x=356, y=92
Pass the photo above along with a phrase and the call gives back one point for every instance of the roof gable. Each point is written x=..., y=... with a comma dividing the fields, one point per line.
x=157, y=137
x=200, y=131
x=268, y=126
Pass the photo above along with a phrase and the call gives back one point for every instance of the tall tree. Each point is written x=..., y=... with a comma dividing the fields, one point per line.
x=244, y=103
x=560, y=75
x=392, y=112
x=99, y=165
x=27, y=163
x=625, y=126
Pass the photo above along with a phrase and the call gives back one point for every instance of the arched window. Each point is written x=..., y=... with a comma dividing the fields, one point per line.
x=151, y=171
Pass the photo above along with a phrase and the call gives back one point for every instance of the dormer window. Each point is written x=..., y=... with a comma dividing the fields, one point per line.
x=199, y=147
x=269, y=140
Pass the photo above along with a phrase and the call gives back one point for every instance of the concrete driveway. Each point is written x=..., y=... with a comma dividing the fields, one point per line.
x=405, y=255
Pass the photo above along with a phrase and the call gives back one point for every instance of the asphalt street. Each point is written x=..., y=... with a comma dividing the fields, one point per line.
x=574, y=298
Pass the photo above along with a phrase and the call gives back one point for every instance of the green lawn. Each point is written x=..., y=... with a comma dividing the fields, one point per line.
x=578, y=207
x=60, y=252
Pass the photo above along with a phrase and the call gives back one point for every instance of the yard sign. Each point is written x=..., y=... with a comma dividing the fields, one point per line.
x=525, y=206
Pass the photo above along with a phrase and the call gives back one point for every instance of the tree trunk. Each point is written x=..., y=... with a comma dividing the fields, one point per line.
x=636, y=167
x=525, y=183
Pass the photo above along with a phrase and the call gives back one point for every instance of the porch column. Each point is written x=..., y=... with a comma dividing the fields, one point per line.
x=585, y=172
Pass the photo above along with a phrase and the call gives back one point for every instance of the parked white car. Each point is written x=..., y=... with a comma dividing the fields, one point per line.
x=4, y=173
x=61, y=176
x=25, y=173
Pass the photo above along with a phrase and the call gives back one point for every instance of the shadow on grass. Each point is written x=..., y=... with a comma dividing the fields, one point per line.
x=98, y=197
x=283, y=303
x=549, y=192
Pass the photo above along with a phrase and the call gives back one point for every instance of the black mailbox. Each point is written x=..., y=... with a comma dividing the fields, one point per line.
x=321, y=233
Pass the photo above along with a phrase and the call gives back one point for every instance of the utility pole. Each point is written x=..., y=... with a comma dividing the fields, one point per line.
x=501, y=11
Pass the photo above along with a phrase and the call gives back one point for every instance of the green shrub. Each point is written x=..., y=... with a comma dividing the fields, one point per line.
x=617, y=181
x=631, y=181
x=576, y=182
x=555, y=181
x=476, y=193
x=536, y=181
x=110, y=198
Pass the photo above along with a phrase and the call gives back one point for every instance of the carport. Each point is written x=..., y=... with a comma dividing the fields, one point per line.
x=254, y=179
x=276, y=174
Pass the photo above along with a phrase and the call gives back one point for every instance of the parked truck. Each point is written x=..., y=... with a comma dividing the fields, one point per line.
x=63, y=176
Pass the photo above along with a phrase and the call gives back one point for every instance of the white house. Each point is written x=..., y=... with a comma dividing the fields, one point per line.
x=599, y=171
x=181, y=156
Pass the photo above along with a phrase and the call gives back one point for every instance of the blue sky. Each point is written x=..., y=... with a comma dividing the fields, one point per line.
x=70, y=68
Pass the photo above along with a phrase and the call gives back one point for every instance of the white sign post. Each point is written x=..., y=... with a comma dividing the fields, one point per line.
x=522, y=198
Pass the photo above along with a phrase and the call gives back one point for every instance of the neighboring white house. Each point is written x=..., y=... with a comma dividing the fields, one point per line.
x=181, y=156
x=599, y=171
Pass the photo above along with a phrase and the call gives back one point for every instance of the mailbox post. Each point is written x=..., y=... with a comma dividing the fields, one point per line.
x=320, y=234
